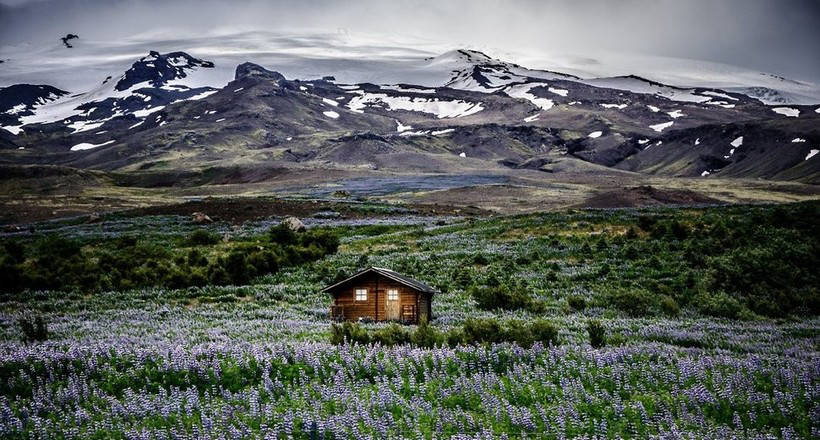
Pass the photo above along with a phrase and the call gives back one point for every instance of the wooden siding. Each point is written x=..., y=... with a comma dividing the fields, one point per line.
x=424, y=307
x=376, y=305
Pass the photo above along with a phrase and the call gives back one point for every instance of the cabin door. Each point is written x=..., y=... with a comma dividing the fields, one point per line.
x=393, y=304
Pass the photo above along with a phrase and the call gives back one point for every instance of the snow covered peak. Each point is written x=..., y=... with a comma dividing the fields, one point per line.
x=158, y=69
x=20, y=98
x=461, y=56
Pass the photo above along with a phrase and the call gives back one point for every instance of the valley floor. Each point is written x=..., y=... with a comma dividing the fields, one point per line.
x=30, y=194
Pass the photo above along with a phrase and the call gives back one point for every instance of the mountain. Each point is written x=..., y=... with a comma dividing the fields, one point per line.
x=470, y=111
x=20, y=100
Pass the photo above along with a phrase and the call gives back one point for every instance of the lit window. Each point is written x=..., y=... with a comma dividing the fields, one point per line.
x=361, y=294
x=392, y=295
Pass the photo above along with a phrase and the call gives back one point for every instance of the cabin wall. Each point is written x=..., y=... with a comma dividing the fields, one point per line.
x=376, y=305
x=424, y=307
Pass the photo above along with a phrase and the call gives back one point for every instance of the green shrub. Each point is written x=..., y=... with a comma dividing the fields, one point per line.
x=348, y=332
x=577, y=302
x=479, y=330
x=490, y=331
x=669, y=306
x=544, y=331
x=719, y=304
x=391, y=335
x=635, y=302
x=203, y=237
x=33, y=328
x=282, y=235
x=455, y=337
x=326, y=241
x=501, y=297
x=238, y=268
x=15, y=251
x=597, y=333
x=516, y=331
x=480, y=260
x=195, y=258
x=427, y=336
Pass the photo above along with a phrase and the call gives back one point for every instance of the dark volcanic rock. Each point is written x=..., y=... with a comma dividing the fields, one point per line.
x=68, y=38
x=19, y=99
x=251, y=70
x=647, y=196
x=157, y=69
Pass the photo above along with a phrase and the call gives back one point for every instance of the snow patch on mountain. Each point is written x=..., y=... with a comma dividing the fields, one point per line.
x=618, y=106
x=441, y=108
x=737, y=143
x=559, y=92
x=522, y=91
x=787, y=111
x=88, y=146
x=661, y=127
x=401, y=127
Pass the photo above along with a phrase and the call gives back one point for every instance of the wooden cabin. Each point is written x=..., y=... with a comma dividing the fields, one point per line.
x=381, y=295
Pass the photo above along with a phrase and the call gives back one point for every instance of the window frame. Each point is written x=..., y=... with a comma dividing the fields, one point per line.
x=391, y=292
x=356, y=292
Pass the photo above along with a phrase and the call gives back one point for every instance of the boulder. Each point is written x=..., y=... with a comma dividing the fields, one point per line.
x=294, y=224
x=94, y=217
x=201, y=218
x=12, y=228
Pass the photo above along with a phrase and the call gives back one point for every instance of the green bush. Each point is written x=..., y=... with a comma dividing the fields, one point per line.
x=479, y=330
x=518, y=332
x=480, y=260
x=391, y=335
x=669, y=306
x=427, y=336
x=597, y=333
x=577, y=303
x=348, y=332
x=455, y=337
x=282, y=235
x=544, y=331
x=635, y=302
x=33, y=328
x=502, y=297
x=203, y=237
x=195, y=258
x=490, y=331
x=719, y=304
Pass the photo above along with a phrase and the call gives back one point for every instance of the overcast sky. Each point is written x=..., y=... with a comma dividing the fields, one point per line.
x=777, y=36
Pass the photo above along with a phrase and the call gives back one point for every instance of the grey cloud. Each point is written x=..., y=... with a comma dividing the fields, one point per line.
x=778, y=36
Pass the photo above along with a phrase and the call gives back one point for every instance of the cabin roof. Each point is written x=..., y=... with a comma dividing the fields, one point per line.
x=395, y=276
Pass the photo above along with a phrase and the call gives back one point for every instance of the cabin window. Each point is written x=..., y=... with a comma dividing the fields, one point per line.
x=361, y=294
x=392, y=295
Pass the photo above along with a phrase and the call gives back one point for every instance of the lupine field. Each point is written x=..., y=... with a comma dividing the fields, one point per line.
x=710, y=320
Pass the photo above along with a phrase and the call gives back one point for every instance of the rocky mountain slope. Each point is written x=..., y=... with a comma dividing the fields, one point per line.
x=482, y=114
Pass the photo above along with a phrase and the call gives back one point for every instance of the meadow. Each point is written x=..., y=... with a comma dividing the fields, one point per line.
x=708, y=321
